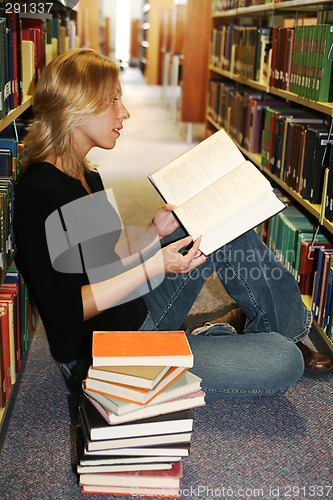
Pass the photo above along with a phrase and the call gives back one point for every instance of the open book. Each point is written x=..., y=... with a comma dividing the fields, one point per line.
x=218, y=194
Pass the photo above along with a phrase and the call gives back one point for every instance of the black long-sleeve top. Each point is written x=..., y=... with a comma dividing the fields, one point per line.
x=63, y=243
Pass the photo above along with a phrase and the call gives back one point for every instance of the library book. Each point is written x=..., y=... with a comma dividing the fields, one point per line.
x=218, y=194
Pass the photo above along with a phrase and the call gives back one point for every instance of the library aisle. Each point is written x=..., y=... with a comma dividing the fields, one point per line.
x=241, y=448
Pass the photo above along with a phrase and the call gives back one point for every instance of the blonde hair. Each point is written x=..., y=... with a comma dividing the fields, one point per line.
x=76, y=86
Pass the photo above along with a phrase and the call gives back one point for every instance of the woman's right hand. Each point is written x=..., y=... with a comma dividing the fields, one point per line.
x=99, y=296
x=170, y=260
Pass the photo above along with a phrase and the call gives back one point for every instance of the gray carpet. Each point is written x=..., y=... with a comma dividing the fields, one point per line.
x=254, y=444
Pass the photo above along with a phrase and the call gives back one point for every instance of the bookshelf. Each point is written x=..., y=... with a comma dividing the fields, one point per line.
x=279, y=15
x=194, y=82
x=156, y=14
x=15, y=113
x=11, y=111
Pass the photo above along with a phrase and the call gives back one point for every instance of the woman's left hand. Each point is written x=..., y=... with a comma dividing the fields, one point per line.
x=164, y=222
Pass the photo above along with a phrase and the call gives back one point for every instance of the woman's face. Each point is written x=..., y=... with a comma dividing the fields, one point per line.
x=104, y=130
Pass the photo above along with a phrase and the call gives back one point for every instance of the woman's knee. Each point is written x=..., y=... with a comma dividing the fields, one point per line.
x=287, y=362
x=250, y=364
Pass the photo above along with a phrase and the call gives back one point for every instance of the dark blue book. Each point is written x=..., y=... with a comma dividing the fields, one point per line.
x=318, y=167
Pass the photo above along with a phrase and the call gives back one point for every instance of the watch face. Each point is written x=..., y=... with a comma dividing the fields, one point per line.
x=70, y=3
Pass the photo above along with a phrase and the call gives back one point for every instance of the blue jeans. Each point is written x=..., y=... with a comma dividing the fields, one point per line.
x=264, y=360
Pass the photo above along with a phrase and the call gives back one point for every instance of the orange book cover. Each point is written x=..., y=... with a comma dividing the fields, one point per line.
x=134, y=394
x=162, y=348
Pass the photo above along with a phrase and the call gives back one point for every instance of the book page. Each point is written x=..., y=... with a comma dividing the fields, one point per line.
x=222, y=199
x=244, y=221
x=196, y=169
x=230, y=204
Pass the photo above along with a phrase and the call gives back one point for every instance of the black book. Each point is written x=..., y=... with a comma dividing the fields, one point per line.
x=318, y=167
x=170, y=423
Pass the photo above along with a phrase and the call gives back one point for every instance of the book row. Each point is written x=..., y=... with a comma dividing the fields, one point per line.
x=27, y=44
x=301, y=61
x=218, y=6
x=11, y=150
x=289, y=235
x=135, y=417
x=296, y=147
x=11, y=67
x=16, y=321
x=242, y=50
x=268, y=127
x=221, y=5
x=322, y=302
x=6, y=221
x=292, y=59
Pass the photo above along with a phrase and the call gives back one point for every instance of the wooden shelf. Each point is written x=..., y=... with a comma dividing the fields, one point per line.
x=322, y=107
x=297, y=5
x=321, y=341
x=317, y=335
x=250, y=83
x=15, y=113
x=269, y=8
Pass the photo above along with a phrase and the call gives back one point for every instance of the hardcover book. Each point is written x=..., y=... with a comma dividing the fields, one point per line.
x=145, y=377
x=98, y=428
x=160, y=479
x=186, y=402
x=218, y=195
x=135, y=394
x=184, y=385
x=163, y=348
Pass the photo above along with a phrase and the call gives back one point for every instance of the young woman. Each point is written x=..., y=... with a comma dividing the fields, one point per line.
x=85, y=277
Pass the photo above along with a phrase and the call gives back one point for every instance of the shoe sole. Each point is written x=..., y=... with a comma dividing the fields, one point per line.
x=317, y=374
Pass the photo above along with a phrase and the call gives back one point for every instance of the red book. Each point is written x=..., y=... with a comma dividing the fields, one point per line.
x=11, y=301
x=2, y=375
x=149, y=479
x=12, y=290
x=307, y=266
x=35, y=33
x=4, y=317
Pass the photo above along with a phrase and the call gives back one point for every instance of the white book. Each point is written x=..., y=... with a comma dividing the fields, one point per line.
x=218, y=194
x=94, y=469
x=186, y=402
x=128, y=490
x=99, y=457
x=146, y=377
x=185, y=384
x=98, y=429
x=135, y=394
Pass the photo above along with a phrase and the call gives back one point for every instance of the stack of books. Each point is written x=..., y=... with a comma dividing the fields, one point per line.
x=135, y=414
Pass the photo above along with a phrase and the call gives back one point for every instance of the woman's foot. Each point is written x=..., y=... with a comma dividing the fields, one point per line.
x=236, y=318
x=315, y=364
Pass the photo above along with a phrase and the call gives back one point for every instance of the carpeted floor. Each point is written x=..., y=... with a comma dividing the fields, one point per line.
x=242, y=448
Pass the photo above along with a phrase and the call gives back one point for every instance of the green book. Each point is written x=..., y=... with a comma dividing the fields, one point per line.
x=323, y=79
